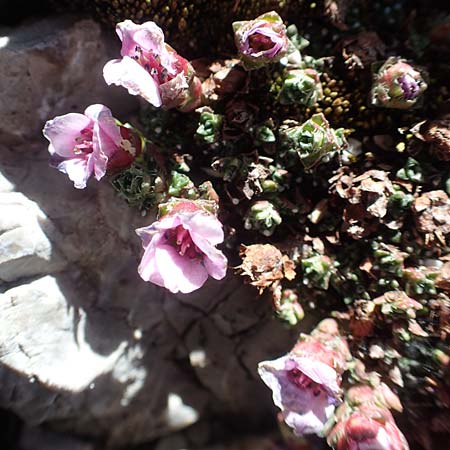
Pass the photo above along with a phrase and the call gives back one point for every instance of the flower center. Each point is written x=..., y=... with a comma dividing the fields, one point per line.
x=259, y=42
x=299, y=379
x=151, y=62
x=180, y=238
x=409, y=86
x=84, y=143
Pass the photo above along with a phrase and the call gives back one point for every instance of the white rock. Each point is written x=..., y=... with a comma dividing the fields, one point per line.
x=25, y=250
x=44, y=347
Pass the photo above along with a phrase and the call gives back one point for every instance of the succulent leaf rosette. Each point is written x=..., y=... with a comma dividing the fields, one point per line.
x=262, y=216
x=301, y=86
x=152, y=69
x=261, y=41
x=180, y=248
x=397, y=84
x=312, y=140
x=91, y=143
x=209, y=125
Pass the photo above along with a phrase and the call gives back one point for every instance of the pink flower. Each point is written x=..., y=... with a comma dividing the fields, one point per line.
x=152, y=69
x=179, y=249
x=262, y=40
x=305, y=386
x=368, y=428
x=89, y=143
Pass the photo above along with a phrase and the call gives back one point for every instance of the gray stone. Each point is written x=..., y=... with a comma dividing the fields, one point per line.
x=86, y=347
x=37, y=439
x=24, y=248
x=51, y=67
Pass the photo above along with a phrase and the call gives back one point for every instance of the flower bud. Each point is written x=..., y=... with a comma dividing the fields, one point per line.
x=397, y=85
x=369, y=427
x=312, y=140
x=301, y=86
x=262, y=216
x=261, y=41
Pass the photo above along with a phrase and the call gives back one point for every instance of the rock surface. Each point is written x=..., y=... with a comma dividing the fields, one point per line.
x=86, y=346
x=51, y=67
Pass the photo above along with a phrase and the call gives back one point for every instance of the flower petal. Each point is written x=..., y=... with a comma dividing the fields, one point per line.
x=180, y=274
x=205, y=225
x=304, y=409
x=107, y=124
x=148, y=36
x=62, y=132
x=78, y=170
x=313, y=417
x=106, y=137
x=129, y=74
x=319, y=372
x=148, y=269
x=214, y=260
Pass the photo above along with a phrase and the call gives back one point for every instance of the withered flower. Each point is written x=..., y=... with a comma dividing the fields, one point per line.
x=432, y=216
x=367, y=196
x=437, y=134
x=264, y=264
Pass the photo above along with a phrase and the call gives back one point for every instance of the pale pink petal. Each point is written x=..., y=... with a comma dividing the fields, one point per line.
x=216, y=264
x=205, y=225
x=319, y=372
x=305, y=410
x=158, y=227
x=105, y=137
x=214, y=260
x=62, y=132
x=147, y=268
x=128, y=73
x=107, y=126
x=78, y=170
x=312, y=418
x=180, y=274
x=147, y=36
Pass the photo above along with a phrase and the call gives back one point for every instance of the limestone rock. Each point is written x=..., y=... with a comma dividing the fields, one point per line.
x=24, y=248
x=51, y=67
x=87, y=347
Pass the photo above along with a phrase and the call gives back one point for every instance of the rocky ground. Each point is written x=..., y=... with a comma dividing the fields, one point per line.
x=90, y=355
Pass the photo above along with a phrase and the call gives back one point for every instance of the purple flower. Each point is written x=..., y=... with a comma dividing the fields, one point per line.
x=152, y=69
x=305, y=388
x=179, y=249
x=89, y=143
x=262, y=40
x=397, y=84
